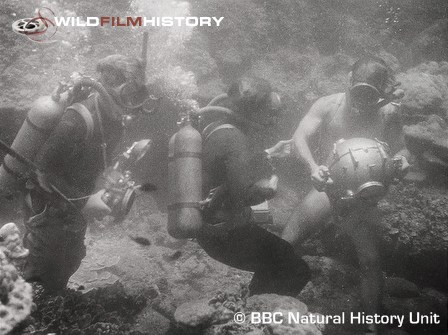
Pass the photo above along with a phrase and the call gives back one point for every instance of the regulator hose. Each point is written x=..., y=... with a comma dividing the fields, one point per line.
x=217, y=99
x=218, y=109
x=97, y=86
x=223, y=110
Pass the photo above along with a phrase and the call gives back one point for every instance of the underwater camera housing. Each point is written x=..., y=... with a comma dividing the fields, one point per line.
x=120, y=187
x=361, y=169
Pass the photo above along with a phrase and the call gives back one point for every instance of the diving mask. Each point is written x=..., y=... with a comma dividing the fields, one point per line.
x=366, y=95
x=132, y=96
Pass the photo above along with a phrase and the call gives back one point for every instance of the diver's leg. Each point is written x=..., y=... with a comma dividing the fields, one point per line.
x=46, y=258
x=55, y=253
x=74, y=251
x=307, y=218
x=361, y=228
x=252, y=248
x=278, y=269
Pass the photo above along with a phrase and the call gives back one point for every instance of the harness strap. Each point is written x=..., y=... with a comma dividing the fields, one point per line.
x=103, y=138
x=86, y=116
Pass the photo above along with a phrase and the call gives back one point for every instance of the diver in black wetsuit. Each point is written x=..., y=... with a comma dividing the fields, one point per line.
x=238, y=178
x=77, y=151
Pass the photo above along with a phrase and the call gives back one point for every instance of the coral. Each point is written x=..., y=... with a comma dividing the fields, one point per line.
x=15, y=294
x=205, y=312
x=106, y=310
x=11, y=243
x=15, y=297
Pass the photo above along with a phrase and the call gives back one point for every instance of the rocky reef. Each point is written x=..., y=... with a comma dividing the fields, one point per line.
x=426, y=89
x=215, y=316
x=428, y=142
x=15, y=294
x=107, y=310
x=412, y=234
x=414, y=231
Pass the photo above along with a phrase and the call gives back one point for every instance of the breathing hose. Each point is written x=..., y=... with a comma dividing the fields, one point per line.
x=97, y=86
x=218, y=98
x=228, y=112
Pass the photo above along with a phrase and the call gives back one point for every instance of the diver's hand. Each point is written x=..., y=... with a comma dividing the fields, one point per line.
x=320, y=177
x=397, y=94
x=270, y=184
x=214, y=198
x=273, y=182
x=403, y=166
x=95, y=208
x=281, y=150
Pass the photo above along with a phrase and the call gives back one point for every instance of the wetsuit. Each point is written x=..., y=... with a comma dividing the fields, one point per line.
x=73, y=161
x=228, y=235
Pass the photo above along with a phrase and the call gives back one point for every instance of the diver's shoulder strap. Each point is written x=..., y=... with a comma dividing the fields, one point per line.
x=211, y=128
x=86, y=116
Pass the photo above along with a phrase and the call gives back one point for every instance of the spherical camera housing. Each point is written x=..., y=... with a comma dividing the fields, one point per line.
x=360, y=168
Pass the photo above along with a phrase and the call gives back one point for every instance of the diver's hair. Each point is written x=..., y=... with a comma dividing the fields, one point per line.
x=374, y=71
x=121, y=69
x=248, y=93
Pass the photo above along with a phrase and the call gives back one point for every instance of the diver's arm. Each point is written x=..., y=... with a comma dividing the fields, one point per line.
x=306, y=129
x=63, y=140
x=243, y=188
x=68, y=134
x=394, y=136
x=320, y=175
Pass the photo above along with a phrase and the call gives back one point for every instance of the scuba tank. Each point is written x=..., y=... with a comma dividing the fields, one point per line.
x=41, y=119
x=185, y=181
x=43, y=116
x=185, y=172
